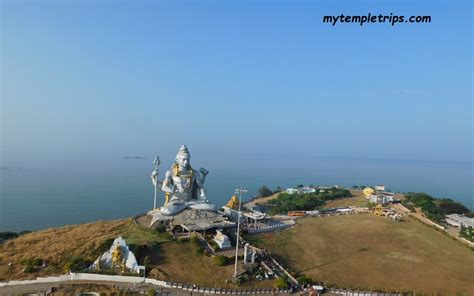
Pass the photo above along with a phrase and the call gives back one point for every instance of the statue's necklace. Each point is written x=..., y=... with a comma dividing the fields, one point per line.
x=177, y=173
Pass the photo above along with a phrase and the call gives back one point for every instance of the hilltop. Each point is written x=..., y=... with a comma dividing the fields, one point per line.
x=77, y=246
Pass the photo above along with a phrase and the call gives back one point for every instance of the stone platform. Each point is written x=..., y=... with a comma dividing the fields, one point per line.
x=191, y=219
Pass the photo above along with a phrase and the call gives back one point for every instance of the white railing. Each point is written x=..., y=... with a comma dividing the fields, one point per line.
x=137, y=280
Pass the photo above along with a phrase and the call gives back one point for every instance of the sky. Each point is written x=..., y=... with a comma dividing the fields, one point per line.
x=248, y=77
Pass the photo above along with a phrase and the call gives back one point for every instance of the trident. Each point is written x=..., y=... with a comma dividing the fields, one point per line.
x=154, y=177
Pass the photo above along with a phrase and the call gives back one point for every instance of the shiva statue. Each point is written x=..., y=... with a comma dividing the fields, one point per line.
x=183, y=186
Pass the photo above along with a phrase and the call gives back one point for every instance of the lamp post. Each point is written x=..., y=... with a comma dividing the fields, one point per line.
x=238, y=191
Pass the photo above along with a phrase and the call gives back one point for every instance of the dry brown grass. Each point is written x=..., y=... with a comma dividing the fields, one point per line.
x=369, y=252
x=171, y=260
x=77, y=289
x=55, y=246
x=261, y=200
x=180, y=262
x=357, y=200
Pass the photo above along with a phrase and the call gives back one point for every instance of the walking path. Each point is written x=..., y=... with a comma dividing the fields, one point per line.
x=45, y=283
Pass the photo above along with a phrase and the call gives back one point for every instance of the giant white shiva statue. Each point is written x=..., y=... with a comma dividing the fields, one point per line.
x=183, y=186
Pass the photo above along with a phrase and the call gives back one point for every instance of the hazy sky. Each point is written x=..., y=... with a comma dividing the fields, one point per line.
x=236, y=76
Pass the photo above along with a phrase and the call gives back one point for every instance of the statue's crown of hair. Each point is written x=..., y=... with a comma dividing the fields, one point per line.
x=183, y=150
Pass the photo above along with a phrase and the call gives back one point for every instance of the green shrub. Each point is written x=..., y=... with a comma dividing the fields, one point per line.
x=30, y=269
x=151, y=292
x=146, y=261
x=305, y=201
x=26, y=261
x=244, y=278
x=214, y=246
x=104, y=246
x=220, y=260
x=67, y=267
x=161, y=228
x=183, y=240
x=166, y=236
x=7, y=235
x=435, y=209
x=76, y=263
x=37, y=262
x=281, y=283
x=304, y=280
x=200, y=249
x=264, y=191
x=194, y=240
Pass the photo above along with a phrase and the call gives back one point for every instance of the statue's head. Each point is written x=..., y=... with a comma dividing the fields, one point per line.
x=183, y=156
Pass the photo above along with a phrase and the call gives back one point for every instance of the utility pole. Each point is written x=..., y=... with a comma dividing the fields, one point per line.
x=238, y=191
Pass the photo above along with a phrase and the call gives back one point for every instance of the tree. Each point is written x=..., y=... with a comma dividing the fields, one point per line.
x=30, y=269
x=7, y=235
x=37, y=262
x=264, y=191
x=281, y=283
x=220, y=260
x=305, y=280
x=448, y=206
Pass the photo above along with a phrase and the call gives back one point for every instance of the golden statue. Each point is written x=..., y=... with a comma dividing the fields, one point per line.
x=233, y=202
x=117, y=257
x=378, y=210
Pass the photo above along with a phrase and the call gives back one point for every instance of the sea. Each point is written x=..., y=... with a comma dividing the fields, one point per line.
x=65, y=189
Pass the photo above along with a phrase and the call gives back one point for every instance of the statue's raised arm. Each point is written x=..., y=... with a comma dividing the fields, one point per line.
x=200, y=184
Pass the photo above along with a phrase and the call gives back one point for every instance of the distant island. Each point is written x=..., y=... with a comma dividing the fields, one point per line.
x=134, y=157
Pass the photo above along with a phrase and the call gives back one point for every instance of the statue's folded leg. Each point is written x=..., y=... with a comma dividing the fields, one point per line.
x=203, y=206
x=171, y=209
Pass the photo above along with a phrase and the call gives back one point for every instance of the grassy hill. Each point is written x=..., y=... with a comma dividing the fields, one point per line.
x=60, y=246
x=79, y=245
x=369, y=252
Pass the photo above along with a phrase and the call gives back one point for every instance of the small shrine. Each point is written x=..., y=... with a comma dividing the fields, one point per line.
x=222, y=240
x=118, y=258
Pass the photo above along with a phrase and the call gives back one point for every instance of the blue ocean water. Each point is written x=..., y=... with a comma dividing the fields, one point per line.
x=68, y=189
